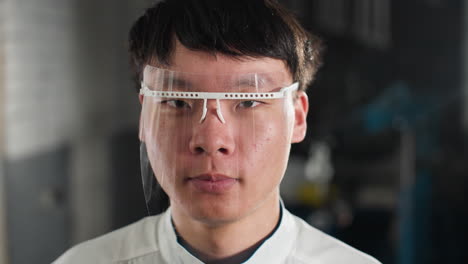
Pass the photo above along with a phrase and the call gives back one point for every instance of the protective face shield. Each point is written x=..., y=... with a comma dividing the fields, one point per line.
x=214, y=140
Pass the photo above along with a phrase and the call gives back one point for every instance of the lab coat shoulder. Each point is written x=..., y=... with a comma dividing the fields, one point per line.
x=134, y=241
x=314, y=246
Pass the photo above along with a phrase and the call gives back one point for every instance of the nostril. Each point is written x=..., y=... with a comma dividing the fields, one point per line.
x=223, y=150
x=199, y=150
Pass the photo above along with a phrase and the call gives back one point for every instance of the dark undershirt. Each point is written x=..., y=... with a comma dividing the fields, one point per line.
x=235, y=259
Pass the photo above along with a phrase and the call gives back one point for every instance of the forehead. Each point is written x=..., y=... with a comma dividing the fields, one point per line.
x=200, y=62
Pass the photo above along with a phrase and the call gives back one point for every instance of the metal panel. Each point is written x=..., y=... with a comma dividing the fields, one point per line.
x=3, y=230
x=38, y=214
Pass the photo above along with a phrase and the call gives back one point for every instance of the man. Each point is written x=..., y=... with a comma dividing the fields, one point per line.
x=222, y=94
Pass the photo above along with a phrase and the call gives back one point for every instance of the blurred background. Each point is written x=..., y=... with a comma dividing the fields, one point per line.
x=384, y=166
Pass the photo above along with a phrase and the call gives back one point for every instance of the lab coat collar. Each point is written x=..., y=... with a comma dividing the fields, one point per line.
x=273, y=250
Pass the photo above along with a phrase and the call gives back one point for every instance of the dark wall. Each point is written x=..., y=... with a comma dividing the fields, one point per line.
x=38, y=208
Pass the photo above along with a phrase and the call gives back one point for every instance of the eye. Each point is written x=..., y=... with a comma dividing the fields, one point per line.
x=176, y=103
x=249, y=104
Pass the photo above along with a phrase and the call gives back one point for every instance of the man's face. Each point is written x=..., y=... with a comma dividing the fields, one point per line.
x=219, y=172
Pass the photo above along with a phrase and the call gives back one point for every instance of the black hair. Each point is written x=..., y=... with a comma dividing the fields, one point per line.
x=238, y=28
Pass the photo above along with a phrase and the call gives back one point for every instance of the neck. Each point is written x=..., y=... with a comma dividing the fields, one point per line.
x=214, y=242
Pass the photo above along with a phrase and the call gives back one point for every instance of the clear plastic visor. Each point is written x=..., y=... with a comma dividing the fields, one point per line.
x=197, y=126
x=190, y=92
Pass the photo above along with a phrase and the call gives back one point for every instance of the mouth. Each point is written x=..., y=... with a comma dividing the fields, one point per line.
x=212, y=183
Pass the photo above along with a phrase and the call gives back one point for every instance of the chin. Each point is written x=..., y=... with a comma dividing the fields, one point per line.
x=215, y=212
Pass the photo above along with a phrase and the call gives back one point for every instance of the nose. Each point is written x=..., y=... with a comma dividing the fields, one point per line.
x=212, y=135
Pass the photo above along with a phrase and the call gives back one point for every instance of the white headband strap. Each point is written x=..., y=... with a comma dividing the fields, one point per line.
x=205, y=95
x=217, y=96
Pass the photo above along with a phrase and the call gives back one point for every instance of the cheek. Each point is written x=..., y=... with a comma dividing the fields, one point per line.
x=268, y=147
x=271, y=134
x=162, y=148
x=167, y=136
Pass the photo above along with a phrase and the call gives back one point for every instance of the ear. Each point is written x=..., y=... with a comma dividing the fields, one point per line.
x=301, y=108
x=140, y=98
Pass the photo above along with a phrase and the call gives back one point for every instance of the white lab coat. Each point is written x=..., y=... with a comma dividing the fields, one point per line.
x=152, y=240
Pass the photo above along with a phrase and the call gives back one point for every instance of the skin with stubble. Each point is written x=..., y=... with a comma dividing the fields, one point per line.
x=222, y=221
